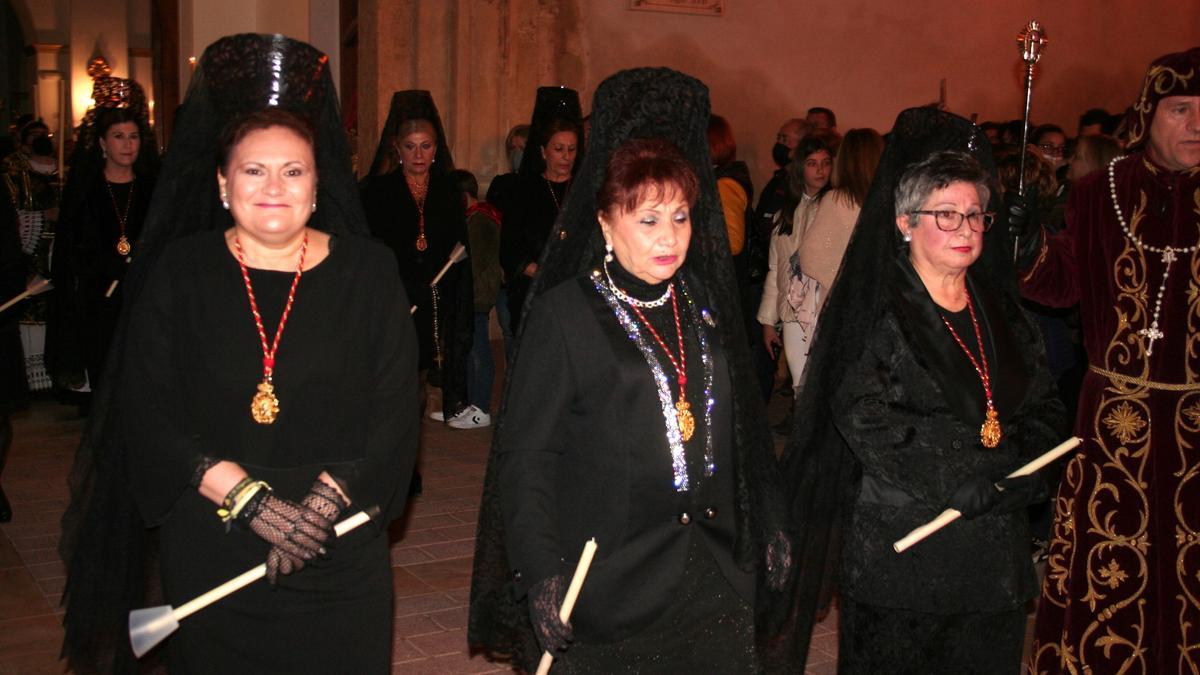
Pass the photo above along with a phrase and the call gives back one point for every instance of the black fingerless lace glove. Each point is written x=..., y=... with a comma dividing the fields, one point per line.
x=779, y=560
x=325, y=500
x=296, y=533
x=545, y=600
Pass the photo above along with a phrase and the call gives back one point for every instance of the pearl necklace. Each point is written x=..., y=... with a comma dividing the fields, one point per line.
x=625, y=297
x=1168, y=253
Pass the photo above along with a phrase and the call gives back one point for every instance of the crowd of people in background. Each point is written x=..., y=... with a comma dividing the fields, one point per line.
x=786, y=239
x=646, y=298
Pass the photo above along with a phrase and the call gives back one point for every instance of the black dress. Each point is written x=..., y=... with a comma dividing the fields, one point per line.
x=584, y=452
x=345, y=376
x=392, y=217
x=533, y=206
x=86, y=263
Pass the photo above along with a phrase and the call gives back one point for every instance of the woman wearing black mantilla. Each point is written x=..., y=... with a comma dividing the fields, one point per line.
x=545, y=176
x=631, y=417
x=111, y=179
x=415, y=207
x=263, y=388
x=926, y=387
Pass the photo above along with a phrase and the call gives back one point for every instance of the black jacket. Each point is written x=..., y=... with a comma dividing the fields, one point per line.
x=583, y=454
x=910, y=411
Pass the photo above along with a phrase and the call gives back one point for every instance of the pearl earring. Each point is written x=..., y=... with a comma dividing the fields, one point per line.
x=907, y=236
x=225, y=202
x=314, y=206
x=608, y=256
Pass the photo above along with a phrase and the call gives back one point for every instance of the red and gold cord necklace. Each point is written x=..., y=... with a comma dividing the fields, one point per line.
x=989, y=432
x=264, y=407
x=683, y=413
x=418, y=194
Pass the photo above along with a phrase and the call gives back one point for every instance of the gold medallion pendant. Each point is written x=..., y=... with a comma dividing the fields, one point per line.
x=421, y=243
x=687, y=423
x=990, y=432
x=264, y=407
x=123, y=246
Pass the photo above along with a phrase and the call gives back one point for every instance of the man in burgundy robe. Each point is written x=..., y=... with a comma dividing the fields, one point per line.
x=1122, y=589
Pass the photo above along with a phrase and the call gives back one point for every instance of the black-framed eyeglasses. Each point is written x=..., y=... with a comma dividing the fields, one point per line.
x=950, y=221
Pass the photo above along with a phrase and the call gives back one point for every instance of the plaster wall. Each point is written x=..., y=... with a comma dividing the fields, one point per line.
x=139, y=24
x=48, y=18
x=482, y=60
x=289, y=17
x=767, y=60
x=202, y=22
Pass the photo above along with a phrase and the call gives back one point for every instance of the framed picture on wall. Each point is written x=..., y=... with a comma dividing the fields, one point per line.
x=702, y=7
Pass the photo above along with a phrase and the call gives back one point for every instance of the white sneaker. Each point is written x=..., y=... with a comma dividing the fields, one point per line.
x=471, y=418
x=439, y=416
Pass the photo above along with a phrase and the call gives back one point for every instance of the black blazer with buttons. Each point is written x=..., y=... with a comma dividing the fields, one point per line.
x=583, y=453
x=910, y=410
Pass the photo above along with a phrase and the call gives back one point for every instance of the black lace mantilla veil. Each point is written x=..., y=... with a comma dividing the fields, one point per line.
x=552, y=103
x=411, y=104
x=819, y=470
x=640, y=103
x=105, y=544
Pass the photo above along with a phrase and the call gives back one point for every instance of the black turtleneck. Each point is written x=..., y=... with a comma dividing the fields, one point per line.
x=662, y=319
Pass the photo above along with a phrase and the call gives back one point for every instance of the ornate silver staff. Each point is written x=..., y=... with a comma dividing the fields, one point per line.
x=1032, y=40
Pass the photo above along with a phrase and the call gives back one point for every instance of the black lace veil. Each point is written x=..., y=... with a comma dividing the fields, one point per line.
x=639, y=103
x=87, y=160
x=105, y=544
x=818, y=468
x=552, y=103
x=411, y=104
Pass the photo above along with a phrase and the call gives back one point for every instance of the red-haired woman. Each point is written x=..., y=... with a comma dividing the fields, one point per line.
x=629, y=441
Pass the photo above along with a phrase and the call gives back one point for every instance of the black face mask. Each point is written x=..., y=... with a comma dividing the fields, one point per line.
x=779, y=154
x=42, y=146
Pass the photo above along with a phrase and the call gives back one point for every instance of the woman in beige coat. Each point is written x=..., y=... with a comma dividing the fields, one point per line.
x=787, y=311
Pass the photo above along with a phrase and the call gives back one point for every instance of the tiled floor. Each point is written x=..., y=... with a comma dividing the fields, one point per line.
x=431, y=553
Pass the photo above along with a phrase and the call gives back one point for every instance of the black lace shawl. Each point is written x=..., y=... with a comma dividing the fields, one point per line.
x=639, y=103
x=552, y=103
x=105, y=544
x=819, y=470
x=412, y=104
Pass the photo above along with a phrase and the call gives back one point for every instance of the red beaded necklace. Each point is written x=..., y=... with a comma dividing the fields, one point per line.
x=264, y=407
x=683, y=413
x=989, y=433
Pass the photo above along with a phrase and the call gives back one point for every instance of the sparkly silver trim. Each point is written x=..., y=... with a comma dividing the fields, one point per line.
x=710, y=464
x=663, y=384
x=278, y=43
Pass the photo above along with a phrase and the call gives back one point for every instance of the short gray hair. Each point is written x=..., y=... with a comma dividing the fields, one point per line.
x=937, y=172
